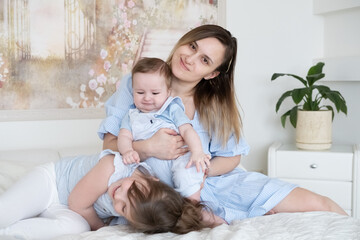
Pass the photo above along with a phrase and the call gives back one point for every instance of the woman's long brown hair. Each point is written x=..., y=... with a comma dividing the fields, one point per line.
x=215, y=99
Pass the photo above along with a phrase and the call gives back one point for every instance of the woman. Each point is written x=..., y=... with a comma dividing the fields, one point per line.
x=203, y=64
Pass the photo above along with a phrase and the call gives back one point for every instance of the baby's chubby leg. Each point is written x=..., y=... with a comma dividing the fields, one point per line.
x=187, y=181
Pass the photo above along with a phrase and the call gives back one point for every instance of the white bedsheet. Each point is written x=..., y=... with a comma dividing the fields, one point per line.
x=287, y=226
x=312, y=225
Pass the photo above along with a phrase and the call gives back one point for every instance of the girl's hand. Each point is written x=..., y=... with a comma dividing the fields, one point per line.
x=130, y=157
x=165, y=144
x=199, y=159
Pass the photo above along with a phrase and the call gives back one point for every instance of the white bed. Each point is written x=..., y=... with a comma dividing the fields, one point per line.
x=313, y=225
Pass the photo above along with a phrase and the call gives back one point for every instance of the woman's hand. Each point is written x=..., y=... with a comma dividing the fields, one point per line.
x=165, y=144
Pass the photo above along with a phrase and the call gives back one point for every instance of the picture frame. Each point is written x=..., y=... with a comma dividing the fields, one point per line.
x=7, y=115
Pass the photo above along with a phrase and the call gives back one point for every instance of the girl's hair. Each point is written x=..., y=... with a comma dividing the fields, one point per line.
x=159, y=208
x=152, y=65
x=215, y=99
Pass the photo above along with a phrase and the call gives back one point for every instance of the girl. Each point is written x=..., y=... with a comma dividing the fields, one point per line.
x=77, y=194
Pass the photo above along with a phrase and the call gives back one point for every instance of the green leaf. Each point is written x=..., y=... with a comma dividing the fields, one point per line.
x=343, y=107
x=276, y=75
x=332, y=110
x=313, y=78
x=307, y=106
x=293, y=116
x=298, y=94
x=338, y=101
x=315, y=73
x=281, y=99
x=316, y=69
x=283, y=118
x=322, y=89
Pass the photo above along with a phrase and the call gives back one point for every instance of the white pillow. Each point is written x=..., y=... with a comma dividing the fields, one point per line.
x=14, y=164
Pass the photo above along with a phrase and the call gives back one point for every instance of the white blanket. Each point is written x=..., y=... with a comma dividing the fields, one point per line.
x=312, y=225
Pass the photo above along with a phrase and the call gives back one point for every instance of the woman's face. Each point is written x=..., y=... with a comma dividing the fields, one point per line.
x=197, y=60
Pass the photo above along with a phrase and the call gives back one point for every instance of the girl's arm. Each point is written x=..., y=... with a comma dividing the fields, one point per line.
x=222, y=165
x=89, y=189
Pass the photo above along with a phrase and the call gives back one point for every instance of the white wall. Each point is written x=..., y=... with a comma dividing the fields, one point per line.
x=53, y=134
x=273, y=36
x=279, y=36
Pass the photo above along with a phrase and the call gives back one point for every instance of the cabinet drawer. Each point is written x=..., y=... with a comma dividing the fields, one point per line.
x=316, y=165
x=340, y=192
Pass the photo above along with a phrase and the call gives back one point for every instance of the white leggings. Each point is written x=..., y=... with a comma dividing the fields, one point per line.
x=30, y=209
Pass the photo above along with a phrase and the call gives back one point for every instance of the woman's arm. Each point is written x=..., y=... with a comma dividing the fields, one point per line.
x=164, y=144
x=89, y=189
x=110, y=142
x=222, y=165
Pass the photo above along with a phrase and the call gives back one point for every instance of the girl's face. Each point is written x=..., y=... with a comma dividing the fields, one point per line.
x=197, y=60
x=118, y=192
x=150, y=91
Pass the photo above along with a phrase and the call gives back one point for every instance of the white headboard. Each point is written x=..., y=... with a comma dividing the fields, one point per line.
x=49, y=134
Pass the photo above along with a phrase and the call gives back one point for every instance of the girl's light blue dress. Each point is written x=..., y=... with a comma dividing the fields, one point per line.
x=70, y=170
x=236, y=195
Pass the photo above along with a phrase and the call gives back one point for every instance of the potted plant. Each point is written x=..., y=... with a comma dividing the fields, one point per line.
x=311, y=118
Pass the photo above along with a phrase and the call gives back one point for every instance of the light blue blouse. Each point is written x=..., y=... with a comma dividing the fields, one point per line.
x=120, y=102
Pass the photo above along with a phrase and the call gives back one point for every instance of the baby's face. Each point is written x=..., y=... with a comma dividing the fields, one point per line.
x=150, y=91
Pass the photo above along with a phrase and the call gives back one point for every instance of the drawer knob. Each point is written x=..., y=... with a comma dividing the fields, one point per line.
x=313, y=166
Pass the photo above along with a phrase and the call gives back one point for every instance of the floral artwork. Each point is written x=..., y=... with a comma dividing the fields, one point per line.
x=74, y=53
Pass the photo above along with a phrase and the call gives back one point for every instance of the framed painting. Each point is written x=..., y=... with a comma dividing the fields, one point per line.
x=62, y=59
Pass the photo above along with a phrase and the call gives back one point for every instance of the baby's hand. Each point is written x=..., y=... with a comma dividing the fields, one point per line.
x=199, y=159
x=131, y=157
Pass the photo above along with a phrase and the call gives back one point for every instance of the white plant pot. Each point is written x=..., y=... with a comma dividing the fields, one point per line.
x=314, y=130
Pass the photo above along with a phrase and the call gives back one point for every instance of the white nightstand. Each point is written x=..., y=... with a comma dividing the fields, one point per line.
x=333, y=173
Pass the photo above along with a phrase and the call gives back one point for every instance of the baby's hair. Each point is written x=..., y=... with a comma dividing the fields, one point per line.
x=152, y=65
x=161, y=209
